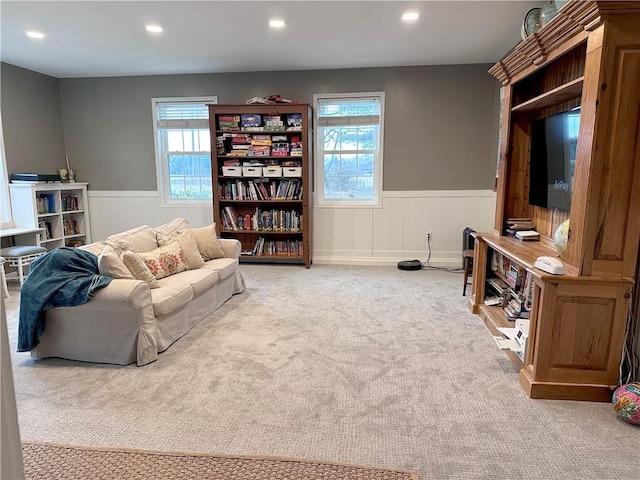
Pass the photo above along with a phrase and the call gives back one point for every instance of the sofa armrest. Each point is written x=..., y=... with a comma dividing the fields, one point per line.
x=121, y=295
x=118, y=313
x=231, y=247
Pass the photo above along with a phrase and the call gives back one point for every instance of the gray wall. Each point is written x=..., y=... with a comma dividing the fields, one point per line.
x=440, y=130
x=31, y=121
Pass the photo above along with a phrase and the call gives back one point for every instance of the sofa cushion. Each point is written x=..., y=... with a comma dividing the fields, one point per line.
x=164, y=232
x=200, y=280
x=224, y=266
x=207, y=242
x=172, y=295
x=138, y=268
x=189, y=245
x=95, y=248
x=165, y=261
x=141, y=239
x=111, y=265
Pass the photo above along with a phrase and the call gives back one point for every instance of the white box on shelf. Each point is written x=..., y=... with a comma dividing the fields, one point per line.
x=231, y=171
x=292, y=171
x=252, y=171
x=272, y=171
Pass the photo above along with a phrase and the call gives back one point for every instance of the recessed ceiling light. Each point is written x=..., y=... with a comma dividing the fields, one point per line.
x=410, y=16
x=154, y=28
x=34, y=34
x=277, y=23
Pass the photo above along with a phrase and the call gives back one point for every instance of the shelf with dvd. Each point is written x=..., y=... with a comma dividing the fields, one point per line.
x=261, y=172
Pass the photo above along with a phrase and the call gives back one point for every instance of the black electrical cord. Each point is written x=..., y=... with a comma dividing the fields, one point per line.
x=427, y=266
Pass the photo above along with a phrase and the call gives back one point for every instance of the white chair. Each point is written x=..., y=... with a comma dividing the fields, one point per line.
x=21, y=256
x=3, y=279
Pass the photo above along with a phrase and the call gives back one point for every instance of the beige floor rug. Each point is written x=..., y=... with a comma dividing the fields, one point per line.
x=48, y=461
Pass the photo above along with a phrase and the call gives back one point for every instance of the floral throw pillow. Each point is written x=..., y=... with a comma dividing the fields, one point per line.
x=167, y=260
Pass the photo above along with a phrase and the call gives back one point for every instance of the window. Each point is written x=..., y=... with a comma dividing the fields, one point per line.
x=183, y=149
x=5, y=203
x=349, y=132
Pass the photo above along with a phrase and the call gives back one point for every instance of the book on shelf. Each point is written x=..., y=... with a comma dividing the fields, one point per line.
x=294, y=121
x=46, y=203
x=229, y=218
x=69, y=202
x=517, y=224
x=273, y=123
x=250, y=120
x=70, y=227
x=277, y=247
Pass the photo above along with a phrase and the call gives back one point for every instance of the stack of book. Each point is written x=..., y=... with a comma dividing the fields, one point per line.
x=229, y=122
x=520, y=223
x=273, y=123
x=515, y=308
x=251, y=123
x=280, y=146
x=296, y=146
x=240, y=145
x=294, y=121
x=260, y=146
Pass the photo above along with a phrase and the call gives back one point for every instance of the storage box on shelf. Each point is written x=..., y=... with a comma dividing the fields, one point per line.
x=586, y=56
x=60, y=209
x=261, y=174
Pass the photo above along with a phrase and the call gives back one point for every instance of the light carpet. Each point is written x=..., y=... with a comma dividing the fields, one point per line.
x=362, y=365
x=44, y=461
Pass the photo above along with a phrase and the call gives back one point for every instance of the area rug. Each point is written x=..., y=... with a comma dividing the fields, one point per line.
x=52, y=461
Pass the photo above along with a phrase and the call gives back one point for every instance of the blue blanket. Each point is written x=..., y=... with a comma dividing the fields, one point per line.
x=63, y=277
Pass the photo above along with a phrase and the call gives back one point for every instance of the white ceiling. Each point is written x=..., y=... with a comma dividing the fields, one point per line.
x=98, y=38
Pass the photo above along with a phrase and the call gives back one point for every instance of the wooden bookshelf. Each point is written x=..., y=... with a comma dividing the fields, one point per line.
x=255, y=196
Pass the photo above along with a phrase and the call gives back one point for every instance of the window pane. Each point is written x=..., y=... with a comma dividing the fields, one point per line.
x=365, y=164
x=189, y=175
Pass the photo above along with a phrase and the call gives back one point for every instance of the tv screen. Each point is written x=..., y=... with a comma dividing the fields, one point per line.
x=553, y=156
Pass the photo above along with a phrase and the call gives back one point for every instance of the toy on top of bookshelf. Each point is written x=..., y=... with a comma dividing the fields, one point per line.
x=269, y=100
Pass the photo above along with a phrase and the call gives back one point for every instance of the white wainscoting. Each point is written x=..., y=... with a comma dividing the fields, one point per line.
x=398, y=230
x=117, y=211
x=348, y=236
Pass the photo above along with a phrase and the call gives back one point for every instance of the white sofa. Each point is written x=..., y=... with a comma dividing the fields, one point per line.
x=128, y=320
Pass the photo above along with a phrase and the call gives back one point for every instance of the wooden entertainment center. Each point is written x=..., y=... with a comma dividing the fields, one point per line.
x=587, y=56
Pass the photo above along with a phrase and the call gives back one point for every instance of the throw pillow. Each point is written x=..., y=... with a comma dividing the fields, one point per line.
x=207, y=242
x=165, y=261
x=190, y=247
x=110, y=264
x=168, y=230
x=142, y=239
x=138, y=268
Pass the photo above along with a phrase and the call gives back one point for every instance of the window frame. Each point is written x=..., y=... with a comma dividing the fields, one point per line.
x=320, y=199
x=6, y=216
x=161, y=158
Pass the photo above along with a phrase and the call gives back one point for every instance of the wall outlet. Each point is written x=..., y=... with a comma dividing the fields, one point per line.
x=428, y=235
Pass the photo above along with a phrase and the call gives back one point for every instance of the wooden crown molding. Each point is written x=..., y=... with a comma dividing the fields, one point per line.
x=575, y=19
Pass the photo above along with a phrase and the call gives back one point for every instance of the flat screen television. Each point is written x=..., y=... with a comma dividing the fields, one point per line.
x=553, y=156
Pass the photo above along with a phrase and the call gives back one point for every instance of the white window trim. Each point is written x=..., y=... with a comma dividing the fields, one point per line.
x=322, y=202
x=6, y=219
x=162, y=170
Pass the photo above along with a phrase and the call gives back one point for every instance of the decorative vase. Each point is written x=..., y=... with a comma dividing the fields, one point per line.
x=561, y=237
